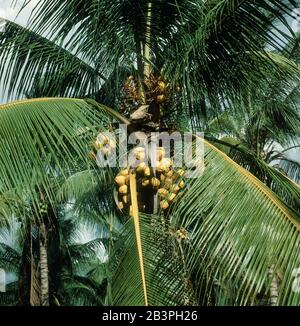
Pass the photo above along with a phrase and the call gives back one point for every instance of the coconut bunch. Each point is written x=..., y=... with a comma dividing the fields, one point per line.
x=43, y=208
x=162, y=180
x=122, y=183
x=105, y=144
x=156, y=89
x=171, y=179
x=181, y=234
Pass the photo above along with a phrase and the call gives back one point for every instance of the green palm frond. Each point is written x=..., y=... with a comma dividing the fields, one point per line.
x=275, y=177
x=238, y=229
x=38, y=66
x=167, y=281
x=44, y=140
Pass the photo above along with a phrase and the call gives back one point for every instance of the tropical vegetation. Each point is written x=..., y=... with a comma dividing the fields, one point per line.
x=72, y=233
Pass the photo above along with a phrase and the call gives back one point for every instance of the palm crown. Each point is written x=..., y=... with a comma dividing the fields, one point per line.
x=87, y=65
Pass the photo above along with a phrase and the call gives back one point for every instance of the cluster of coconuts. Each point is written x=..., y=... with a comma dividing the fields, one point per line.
x=161, y=91
x=182, y=234
x=105, y=144
x=162, y=180
x=43, y=208
x=156, y=88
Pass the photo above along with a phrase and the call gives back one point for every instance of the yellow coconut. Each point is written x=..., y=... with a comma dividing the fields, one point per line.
x=123, y=189
x=98, y=144
x=124, y=172
x=161, y=99
x=147, y=172
x=120, y=205
x=161, y=86
x=167, y=162
x=169, y=174
x=125, y=199
x=163, y=192
x=120, y=180
x=168, y=182
x=160, y=168
x=141, y=167
x=164, y=204
x=155, y=182
x=181, y=184
x=145, y=182
x=139, y=153
x=174, y=189
x=180, y=172
x=171, y=197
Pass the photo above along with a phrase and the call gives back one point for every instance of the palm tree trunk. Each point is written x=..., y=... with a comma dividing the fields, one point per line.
x=274, y=288
x=44, y=267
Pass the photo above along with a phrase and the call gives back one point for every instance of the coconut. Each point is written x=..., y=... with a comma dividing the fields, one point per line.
x=160, y=168
x=171, y=197
x=98, y=144
x=145, y=182
x=181, y=184
x=161, y=99
x=167, y=163
x=163, y=192
x=161, y=86
x=147, y=172
x=168, y=181
x=169, y=174
x=155, y=182
x=124, y=172
x=180, y=172
x=141, y=167
x=139, y=153
x=120, y=180
x=174, y=189
x=125, y=199
x=120, y=205
x=123, y=189
x=162, y=178
x=164, y=204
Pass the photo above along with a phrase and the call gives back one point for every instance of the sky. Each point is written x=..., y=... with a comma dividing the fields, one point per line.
x=9, y=12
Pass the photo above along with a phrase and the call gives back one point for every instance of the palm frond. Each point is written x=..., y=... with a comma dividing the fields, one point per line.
x=35, y=66
x=276, y=178
x=238, y=229
x=47, y=136
x=167, y=281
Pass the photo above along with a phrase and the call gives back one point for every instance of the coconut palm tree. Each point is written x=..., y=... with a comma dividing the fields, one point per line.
x=260, y=136
x=155, y=65
x=77, y=266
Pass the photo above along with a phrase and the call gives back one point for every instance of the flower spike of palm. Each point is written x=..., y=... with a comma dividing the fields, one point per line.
x=229, y=236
